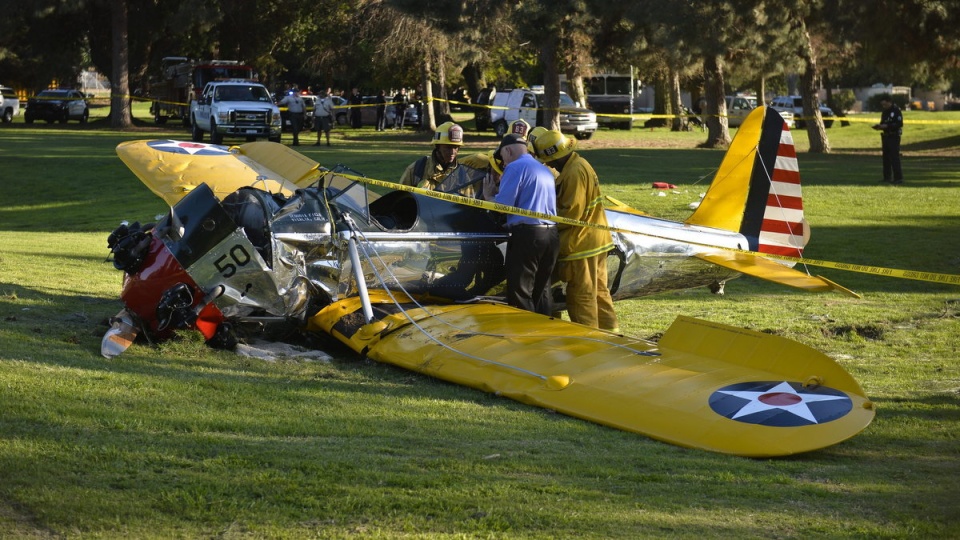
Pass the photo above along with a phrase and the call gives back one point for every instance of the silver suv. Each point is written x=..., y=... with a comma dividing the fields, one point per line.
x=794, y=104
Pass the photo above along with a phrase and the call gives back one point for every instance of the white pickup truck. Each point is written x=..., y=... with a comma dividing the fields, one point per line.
x=9, y=104
x=235, y=108
x=527, y=104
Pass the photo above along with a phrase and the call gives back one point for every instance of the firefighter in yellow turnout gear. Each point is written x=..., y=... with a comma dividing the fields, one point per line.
x=440, y=170
x=582, y=262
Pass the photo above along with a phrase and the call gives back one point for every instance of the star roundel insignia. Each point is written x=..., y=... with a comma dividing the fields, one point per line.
x=780, y=404
x=191, y=148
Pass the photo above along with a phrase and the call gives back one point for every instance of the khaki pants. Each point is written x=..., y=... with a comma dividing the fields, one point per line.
x=588, y=298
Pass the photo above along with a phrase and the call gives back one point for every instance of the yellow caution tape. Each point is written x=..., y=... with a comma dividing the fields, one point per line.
x=644, y=116
x=634, y=116
x=934, y=277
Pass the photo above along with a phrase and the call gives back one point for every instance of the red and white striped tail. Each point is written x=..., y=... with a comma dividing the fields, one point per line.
x=782, y=231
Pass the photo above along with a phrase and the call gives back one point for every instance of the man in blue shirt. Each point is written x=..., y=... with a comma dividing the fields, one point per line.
x=534, y=243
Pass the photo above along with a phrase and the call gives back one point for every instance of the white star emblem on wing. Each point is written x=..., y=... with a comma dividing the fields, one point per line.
x=186, y=147
x=782, y=397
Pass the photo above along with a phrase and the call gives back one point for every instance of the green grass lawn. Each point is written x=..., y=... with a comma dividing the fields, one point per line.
x=180, y=441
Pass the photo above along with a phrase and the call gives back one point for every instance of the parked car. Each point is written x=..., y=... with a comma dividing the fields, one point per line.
x=368, y=113
x=462, y=98
x=482, y=109
x=342, y=115
x=9, y=104
x=527, y=104
x=739, y=107
x=57, y=106
x=410, y=115
x=794, y=104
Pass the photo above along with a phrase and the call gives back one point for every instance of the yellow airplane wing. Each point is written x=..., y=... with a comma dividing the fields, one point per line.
x=757, y=266
x=704, y=385
x=172, y=168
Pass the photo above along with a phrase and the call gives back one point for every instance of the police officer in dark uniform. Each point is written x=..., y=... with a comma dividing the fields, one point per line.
x=891, y=128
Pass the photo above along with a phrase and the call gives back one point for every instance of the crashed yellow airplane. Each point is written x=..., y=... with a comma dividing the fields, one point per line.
x=260, y=236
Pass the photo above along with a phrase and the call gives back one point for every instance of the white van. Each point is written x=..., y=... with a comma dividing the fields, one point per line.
x=526, y=103
x=10, y=106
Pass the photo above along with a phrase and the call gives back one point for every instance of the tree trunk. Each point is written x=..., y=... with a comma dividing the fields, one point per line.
x=473, y=77
x=661, y=100
x=718, y=134
x=443, y=105
x=429, y=123
x=811, y=103
x=575, y=84
x=680, y=120
x=120, y=82
x=551, y=83
x=825, y=79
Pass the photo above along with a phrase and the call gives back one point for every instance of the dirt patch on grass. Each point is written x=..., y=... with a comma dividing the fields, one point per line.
x=873, y=332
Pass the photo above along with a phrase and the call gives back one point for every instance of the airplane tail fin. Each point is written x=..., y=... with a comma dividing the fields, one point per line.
x=756, y=191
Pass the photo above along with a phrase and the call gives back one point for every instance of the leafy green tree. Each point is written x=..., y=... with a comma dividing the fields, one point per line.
x=41, y=43
x=915, y=42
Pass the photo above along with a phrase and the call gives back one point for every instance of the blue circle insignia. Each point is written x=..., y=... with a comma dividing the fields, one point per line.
x=780, y=404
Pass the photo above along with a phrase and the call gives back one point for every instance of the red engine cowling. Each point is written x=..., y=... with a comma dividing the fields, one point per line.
x=165, y=298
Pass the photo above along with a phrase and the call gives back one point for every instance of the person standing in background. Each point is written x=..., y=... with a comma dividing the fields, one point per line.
x=356, y=101
x=400, y=107
x=381, y=111
x=323, y=115
x=295, y=111
x=891, y=129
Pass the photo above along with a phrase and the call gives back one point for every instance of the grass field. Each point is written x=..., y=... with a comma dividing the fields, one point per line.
x=180, y=441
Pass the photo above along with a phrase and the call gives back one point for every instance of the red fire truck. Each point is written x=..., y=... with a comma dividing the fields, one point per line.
x=171, y=93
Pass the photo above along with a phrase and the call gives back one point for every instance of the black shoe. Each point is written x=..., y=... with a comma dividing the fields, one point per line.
x=316, y=144
x=887, y=180
x=897, y=182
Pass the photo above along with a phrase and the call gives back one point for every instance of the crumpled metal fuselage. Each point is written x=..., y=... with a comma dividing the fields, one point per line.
x=285, y=258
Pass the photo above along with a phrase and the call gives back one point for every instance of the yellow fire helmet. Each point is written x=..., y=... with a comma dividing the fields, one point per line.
x=519, y=127
x=496, y=162
x=532, y=136
x=553, y=145
x=448, y=133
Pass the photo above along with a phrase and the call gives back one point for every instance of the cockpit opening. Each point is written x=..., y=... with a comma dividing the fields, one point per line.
x=395, y=211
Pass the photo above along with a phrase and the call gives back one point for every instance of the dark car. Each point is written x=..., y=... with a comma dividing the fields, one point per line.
x=461, y=98
x=482, y=110
x=57, y=106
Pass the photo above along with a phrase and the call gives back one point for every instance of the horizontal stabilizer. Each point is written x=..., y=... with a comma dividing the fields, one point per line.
x=757, y=266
